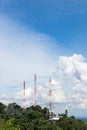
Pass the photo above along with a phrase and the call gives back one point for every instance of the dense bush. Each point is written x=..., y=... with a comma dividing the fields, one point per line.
x=13, y=117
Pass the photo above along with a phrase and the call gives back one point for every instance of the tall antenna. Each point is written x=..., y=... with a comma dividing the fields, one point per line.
x=50, y=95
x=24, y=94
x=35, y=89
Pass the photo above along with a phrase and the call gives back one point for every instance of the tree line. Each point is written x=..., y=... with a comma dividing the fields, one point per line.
x=14, y=117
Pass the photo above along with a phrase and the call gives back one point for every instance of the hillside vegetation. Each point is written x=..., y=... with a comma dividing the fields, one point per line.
x=14, y=117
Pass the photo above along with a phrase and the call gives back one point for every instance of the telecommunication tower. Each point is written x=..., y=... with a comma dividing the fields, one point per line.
x=50, y=98
x=24, y=94
x=35, y=89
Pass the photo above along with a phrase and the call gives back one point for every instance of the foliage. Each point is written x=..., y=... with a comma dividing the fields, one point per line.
x=2, y=107
x=9, y=125
x=13, y=117
x=13, y=110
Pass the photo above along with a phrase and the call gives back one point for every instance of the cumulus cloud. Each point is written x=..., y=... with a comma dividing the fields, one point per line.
x=72, y=74
x=43, y=98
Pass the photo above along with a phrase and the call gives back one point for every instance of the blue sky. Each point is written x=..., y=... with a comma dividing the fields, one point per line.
x=64, y=20
x=47, y=38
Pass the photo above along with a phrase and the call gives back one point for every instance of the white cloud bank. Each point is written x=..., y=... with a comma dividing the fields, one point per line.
x=72, y=73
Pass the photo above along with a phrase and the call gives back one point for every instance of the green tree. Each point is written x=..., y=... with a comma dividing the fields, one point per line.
x=9, y=125
x=2, y=107
x=13, y=110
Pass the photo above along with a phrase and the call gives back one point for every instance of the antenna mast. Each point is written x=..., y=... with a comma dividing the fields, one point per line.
x=35, y=89
x=50, y=95
x=24, y=94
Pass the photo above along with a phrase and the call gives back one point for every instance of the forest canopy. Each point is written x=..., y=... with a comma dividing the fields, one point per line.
x=14, y=117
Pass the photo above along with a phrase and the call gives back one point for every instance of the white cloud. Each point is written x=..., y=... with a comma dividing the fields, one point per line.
x=58, y=92
x=42, y=95
x=72, y=74
x=23, y=52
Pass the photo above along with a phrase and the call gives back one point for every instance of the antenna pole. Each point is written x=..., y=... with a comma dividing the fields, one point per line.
x=24, y=94
x=50, y=95
x=35, y=89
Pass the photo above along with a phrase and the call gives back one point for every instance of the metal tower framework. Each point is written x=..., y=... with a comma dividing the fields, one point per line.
x=24, y=94
x=50, y=98
x=35, y=89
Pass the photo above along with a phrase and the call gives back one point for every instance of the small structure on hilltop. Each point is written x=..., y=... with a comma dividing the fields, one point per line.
x=64, y=114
